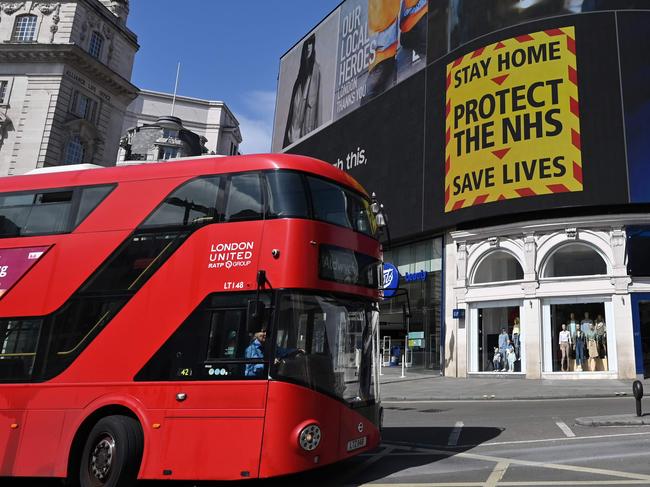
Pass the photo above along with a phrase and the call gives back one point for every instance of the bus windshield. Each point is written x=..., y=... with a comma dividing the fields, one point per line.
x=326, y=343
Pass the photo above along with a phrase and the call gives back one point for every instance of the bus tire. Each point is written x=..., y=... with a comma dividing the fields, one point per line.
x=112, y=453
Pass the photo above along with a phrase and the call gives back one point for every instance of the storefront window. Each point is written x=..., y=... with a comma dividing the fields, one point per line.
x=498, y=266
x=420, y=269
x=575, y=259
x=499, y=339
x=579, y=337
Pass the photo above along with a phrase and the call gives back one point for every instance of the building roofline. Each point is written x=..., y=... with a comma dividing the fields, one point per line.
x=72, y=55
x=106, y=13
x=199, y=101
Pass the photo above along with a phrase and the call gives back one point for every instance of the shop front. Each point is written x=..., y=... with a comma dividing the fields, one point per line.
x=410, y=319
x=542, y=304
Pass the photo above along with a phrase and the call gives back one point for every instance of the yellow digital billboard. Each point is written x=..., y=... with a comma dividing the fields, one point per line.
x=513, y=121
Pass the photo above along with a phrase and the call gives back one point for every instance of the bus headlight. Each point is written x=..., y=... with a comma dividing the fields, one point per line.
x=309, y=437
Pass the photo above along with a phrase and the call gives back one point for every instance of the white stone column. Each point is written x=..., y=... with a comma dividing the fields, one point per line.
x=455, y=335
x=624, y=334
x=531, y=323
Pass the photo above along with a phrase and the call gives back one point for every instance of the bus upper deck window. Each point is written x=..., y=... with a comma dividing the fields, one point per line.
x=194, y=203
x=287, y=196
x=330, y=202
x=244, y=198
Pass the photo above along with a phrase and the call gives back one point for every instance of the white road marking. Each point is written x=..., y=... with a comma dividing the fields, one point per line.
x=562, y=483
x=519, y=442
x=565, y=429
x=455, y=434
x=497, y=474
x=434, y=401
x=554, y=466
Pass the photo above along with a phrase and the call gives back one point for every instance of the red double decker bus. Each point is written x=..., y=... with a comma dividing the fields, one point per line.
x=204, y=319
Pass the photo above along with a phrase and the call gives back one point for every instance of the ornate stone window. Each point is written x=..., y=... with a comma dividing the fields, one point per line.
x=74, y=150
x=24, y=28
x=83, y=106
x=498, y=266
x=96, y=44
x=574, y=259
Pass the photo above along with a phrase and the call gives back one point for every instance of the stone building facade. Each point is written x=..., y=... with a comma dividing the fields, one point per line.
x=65, y=68
x=211, y=120
x=163, y=140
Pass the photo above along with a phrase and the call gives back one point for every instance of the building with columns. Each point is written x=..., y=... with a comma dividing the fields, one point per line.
x=65, y=70
x=508, y=142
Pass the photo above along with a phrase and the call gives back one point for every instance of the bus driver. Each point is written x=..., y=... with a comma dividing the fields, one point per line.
x=255, y=351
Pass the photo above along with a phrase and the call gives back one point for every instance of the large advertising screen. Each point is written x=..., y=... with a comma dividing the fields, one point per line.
x=524, y=122
x=364, y=48
x=634, y=38
x=512, y=120
x=523, y=126
x=381, y=146
x=306, y=85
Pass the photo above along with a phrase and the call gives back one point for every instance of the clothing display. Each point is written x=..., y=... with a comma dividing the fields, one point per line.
x=580, y=343
x=510, y=356
x=564, y=342
x=516, y=343
x=592, y=348
x=496, y=360
x=573, y=327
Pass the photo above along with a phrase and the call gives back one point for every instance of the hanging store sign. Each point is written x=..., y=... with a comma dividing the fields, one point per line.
x=391, y=279
x=512, y=120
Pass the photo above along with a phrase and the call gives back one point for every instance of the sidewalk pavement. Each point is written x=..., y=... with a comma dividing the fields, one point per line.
x=427, y=385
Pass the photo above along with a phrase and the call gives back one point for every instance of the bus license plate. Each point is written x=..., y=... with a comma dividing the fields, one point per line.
x=358, y=443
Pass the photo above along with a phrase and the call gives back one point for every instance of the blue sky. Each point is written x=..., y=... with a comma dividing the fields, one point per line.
x=229, y=50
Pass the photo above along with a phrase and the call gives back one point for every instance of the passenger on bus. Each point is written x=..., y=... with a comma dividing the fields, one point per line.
x=255, y=351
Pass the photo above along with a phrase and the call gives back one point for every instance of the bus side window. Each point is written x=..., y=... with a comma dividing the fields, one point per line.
x=210, y=344
x=228, y=337
x=244, y=198
x=35, y=213
x=18, y=342
x=48, y=212
x=90, y=199
x=194, y=203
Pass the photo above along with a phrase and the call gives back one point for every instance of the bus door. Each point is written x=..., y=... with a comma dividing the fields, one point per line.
x=216, y=402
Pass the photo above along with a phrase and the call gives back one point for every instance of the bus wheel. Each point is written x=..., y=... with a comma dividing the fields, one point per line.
x=112, y=453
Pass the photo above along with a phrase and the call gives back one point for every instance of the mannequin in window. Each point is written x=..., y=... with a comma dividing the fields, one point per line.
x=515, y=337
x=592, y=346
x=564, y=341
x=601, y=336
x=496, y=360
x=586, y=322
x=503, y=347
x=510, y=356
x=579, y=344
x=573, y=324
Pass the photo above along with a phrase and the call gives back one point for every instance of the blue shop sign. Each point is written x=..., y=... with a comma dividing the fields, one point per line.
x=415, y=276
x=391, y=280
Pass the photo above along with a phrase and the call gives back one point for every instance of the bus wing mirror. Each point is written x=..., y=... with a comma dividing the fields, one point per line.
x=255, y=316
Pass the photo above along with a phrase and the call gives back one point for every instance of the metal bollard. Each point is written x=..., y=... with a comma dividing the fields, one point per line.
x=637, y=390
